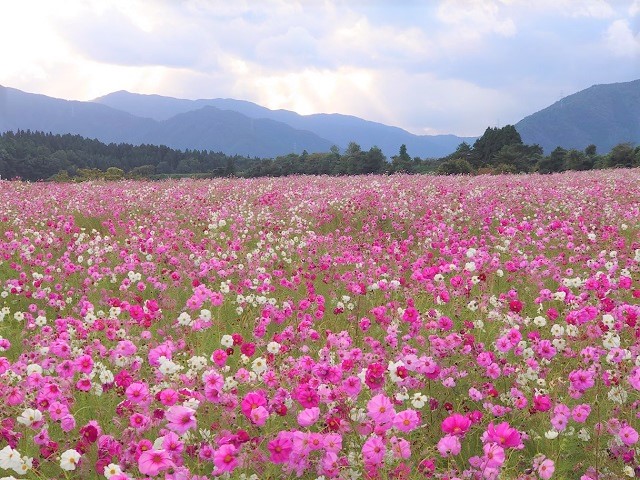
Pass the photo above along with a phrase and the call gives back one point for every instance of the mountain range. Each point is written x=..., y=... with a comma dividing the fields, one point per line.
x=604, y=115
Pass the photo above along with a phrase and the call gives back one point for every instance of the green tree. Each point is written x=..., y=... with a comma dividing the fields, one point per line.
x=491, y=142
x=577, y=160
x=374, y=161
x=519, y=157
x=553, y=163
x=622, y=155
x=456, y=166
x=402, y=162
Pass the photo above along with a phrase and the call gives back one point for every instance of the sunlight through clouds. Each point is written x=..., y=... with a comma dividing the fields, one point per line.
x=425, y=66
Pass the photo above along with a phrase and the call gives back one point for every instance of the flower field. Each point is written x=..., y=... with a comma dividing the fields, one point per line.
x=376, y=327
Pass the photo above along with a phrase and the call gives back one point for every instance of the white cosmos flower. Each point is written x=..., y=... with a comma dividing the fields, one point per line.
x=226, y=341
x=69, y=459
x=273, y=347
x=9, y=458
x=259, y=365
x=111, y=470
x=30, y=416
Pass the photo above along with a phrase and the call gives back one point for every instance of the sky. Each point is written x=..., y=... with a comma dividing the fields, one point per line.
x=430, y=67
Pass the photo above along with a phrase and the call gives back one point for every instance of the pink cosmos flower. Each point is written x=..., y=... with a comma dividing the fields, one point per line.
x=380, y=409
x=168, y=397
x=152, y=462
x=332, y=442
x=67, y=423
x=493, y=455
x=308, y=416
x=180, y=419
x=172, y=444
x=546, y=469
x=456, y=424
x=225, y=458
x=137, y=392
x=406, y=420
x=580, y=413
x=259, y=416
x=301, y=443
x=628, y=435
x=280, y=447
x=251, y=401
x=502, y=434
x=541, y=403
x=373, y=450
x=352, y=386
x=449, y=445
x=219, y=357
x=400, y=447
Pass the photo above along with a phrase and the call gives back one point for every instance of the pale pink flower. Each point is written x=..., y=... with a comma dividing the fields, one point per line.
x=308, y=416
x=628, y=435
x=380, y=409
x=546, y=469
x=406, y=420
x=180, y=419
x=152, y=462
x=449, y=445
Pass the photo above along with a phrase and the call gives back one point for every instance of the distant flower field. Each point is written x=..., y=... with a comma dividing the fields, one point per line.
x=378, y=327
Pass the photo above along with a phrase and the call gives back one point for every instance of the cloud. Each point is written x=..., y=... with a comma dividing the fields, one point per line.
x=448, y=66
x=621, y=40
x=475, y=18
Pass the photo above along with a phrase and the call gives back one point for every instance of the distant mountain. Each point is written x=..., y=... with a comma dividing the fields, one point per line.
x=28, y=111
x=210, y=128
x=338, y=129
x=603, y=115
x=205, y=128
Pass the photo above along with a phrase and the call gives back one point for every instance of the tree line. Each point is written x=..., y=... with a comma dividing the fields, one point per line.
x=44, y=156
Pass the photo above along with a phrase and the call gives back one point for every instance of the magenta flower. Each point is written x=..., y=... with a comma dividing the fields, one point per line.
x=225, y=459
x=373, y=450
x=253, y=400
x=503, y=435
x=137, y=392
x=280, y=447
x=180, y=419
x=152, y=462
x=456, y=424
x=259, y=415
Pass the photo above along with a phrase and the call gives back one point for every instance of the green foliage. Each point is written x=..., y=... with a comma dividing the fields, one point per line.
x=39, y=156
x=62, y=158
x=623, y=155
x=491, y=142
x=456, y=166
x=402, y=162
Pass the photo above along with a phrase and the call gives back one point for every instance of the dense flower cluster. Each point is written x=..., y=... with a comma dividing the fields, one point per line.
x=389, y=327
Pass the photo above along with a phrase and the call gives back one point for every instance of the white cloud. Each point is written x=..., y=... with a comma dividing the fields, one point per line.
x=452, y=66
x=621, y=40
x=476, y=18
x=598, y=9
